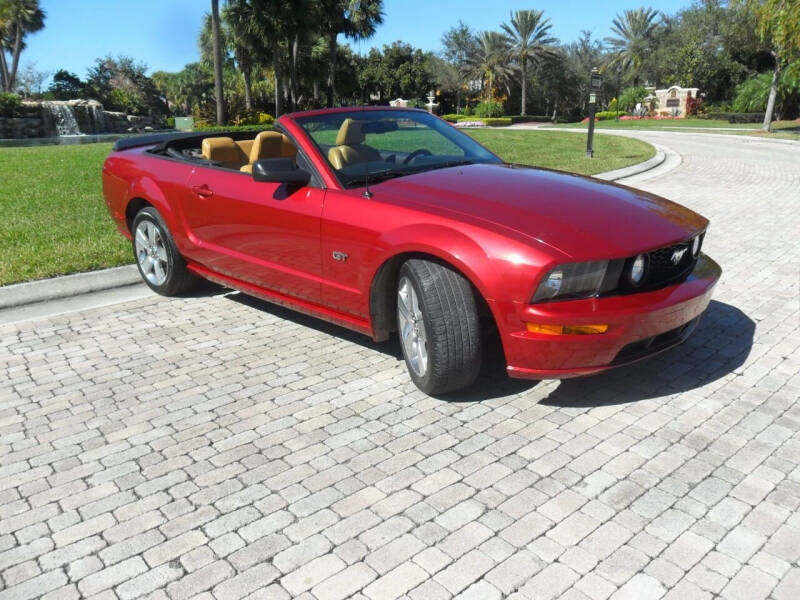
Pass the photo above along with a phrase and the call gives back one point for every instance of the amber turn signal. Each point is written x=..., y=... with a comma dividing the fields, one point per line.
x=566, y=329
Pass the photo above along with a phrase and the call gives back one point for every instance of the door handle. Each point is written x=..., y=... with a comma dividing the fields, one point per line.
x=202, y=190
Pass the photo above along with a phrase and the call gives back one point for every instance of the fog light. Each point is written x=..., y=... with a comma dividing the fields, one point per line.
x=638, y=268
x=566, y=329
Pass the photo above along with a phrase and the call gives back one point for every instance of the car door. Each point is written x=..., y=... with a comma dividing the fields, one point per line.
x=267, y=234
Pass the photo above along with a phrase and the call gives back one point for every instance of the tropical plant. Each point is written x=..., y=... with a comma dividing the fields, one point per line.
x=243, y=41
x=217, y=48
x=529, y=35
x=490, y=62
x=356, y=19
x=632, y=96
x=18, y=18
x=629, y=50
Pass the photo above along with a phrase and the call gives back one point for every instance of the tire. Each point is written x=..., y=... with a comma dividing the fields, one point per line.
x=160, y=264
x=438, y=326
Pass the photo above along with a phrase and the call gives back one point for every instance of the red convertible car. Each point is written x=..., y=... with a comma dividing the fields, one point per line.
x=391, y=220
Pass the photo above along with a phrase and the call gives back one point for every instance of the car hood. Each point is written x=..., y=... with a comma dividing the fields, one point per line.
x=583, y=217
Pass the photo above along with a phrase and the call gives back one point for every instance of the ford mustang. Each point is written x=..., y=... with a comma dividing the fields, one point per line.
x=390, y=220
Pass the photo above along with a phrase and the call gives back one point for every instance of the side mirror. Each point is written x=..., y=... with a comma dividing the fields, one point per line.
x=280, y=170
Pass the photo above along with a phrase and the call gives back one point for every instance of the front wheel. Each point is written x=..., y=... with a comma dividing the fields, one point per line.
x=439, y=328
x=160, y=264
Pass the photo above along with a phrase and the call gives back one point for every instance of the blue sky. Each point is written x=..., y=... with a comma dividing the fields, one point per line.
x=163, y=33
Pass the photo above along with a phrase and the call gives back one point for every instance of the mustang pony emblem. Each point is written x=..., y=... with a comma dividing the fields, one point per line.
x=678, y=255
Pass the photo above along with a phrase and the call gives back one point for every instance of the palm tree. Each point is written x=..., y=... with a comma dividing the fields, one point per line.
x=217, y=45
x=18, y=18
x=530, y=39
x=238, y=17
x=356, y=19
x=490, y=61
x=635, y=30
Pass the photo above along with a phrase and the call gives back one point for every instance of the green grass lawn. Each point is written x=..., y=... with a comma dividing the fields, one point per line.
x=54, y=221
x=789, y=130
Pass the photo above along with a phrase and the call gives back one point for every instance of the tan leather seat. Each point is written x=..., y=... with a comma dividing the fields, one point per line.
x=222, y=150
x=269, y=144
x=350, y=148
x=245, y=146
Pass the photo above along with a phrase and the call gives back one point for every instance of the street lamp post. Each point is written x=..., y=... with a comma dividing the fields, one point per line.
x=595, y=84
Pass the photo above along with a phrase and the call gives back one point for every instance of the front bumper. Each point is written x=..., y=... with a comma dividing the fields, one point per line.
x=639, y=325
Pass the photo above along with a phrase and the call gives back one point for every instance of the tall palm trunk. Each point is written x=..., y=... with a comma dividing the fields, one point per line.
x=12, y=78
x=218, y=93
x=247, y=73
x=773, y=94
x=276, y=59
x=3, y=70
x=294, y=50
x=524, y=66
x=331, y=67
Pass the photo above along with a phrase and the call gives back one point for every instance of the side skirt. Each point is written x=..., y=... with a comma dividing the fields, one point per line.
x=301, y=306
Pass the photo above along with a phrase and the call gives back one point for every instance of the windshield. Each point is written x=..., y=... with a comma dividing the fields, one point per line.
x=378, y=145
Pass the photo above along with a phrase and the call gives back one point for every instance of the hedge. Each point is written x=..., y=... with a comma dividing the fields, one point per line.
x=490, y=121
x=733, y=117
x=215, y=128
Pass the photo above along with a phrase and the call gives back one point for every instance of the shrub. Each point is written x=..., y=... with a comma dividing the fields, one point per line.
x=496, y=121
x=606, y=115
x=214, y=128
x=732, y=117
x=170, y=122
x=632, y=96
x=10, y=104
x=489, y=108
x=265, y=119
x=751, y=95
x=468, y=111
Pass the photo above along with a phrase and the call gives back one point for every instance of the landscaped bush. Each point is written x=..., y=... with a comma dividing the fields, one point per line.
x=732, y=117
x=10, y=104
x=214, y=128
x=606, y=115
x=170, y=122
x=489, y=108
x=497, y=121
x=468, y=111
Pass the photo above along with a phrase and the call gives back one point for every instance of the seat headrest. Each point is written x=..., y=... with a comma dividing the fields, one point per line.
x=350, y=133
x=222, y=150
x=271, y=144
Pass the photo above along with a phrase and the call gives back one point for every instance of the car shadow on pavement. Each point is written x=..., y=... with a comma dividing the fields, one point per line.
x=389, y=348
x=492, y=380
x=719, y=346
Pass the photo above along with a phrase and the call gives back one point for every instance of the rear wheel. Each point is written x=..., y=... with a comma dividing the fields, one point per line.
x=437, y=320
x=160, y=264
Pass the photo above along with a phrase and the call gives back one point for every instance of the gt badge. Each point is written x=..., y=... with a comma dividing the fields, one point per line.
x=340, y=256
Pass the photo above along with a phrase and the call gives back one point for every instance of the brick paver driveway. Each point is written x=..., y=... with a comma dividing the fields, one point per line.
x=217, y=446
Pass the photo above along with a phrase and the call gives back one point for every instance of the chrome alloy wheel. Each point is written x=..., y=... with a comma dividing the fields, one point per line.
x=151, y=253
x=412, y=327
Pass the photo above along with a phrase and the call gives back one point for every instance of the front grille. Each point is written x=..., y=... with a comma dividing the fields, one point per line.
x=663, y=269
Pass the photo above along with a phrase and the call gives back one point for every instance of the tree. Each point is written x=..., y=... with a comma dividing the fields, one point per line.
x=399, y=71
x=238, y=16
x=635, y=29
x=67, y=86
x=779, y=28
x=30, y=81
x=490, y=62
x=18, y=18
x=531, y=41
x=459, y=43
x=217, y=45
x=356, y=19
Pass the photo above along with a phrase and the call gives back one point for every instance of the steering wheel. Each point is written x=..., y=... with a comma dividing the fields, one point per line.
x=416, y=153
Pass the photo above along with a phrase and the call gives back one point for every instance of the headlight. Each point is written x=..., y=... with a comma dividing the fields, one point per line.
x=696, y=246
x=637, y=269
x=571, y=281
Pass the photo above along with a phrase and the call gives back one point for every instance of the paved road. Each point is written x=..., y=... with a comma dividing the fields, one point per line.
x=216, y=446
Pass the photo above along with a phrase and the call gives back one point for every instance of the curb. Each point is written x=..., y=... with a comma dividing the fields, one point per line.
x=636, y=169
x=43, y=290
